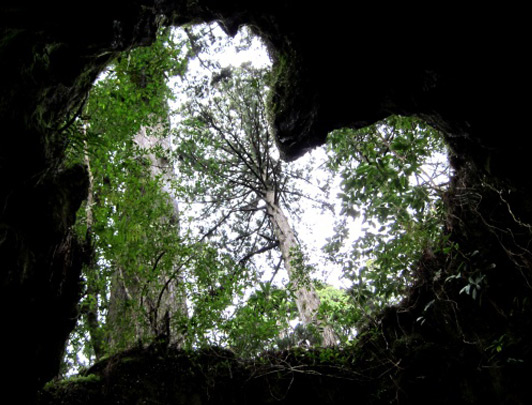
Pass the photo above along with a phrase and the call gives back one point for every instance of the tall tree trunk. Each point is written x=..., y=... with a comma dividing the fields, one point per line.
x=168, y=300
x=159, y=166
x=124, y=328
x=307, y=299
x=162, y=299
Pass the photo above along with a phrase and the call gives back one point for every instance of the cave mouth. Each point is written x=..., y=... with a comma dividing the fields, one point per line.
x=469, y=302
x=392, y=182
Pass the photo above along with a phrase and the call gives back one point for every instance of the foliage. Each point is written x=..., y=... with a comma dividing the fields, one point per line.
x=212, y=288
x=200, y=271
x=145, y=250
x=131, y=93
x=261, y=321
x=340, y=310
x=128, y=220
x=394, y=174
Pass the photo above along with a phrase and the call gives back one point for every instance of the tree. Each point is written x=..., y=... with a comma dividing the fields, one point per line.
x=394, y=174
x=261, y=323
x=226, y=149
x=155, y=274
x=130, y=220
x=149, y=278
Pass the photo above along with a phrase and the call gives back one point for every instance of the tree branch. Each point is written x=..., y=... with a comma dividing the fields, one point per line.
x=259, y=251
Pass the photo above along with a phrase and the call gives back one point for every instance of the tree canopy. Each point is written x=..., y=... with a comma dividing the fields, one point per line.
x=192, y=215
x=394, y=175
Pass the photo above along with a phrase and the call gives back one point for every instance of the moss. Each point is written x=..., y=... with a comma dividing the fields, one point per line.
x=73, y=390
x=214, y=376
x=73, y=381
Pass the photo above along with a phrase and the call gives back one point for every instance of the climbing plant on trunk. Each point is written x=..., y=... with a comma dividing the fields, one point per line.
x=129, y=220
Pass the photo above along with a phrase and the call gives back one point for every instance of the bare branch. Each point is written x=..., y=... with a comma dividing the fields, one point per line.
x=257, y=252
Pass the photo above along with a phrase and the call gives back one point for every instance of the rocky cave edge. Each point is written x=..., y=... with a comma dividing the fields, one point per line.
x=335, y=65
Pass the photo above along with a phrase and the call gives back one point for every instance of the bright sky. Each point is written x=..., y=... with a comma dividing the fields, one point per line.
x=315, y=226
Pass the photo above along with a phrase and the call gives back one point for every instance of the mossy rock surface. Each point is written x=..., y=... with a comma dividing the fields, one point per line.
x=212, y=376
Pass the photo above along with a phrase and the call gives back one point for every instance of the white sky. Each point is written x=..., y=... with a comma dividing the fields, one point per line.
x=315, y=226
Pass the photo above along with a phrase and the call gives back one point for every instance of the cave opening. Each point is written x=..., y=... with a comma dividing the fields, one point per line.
x=465, y=325
x=392, y=181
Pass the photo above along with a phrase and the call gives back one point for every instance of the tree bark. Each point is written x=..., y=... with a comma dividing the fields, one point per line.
x=307, y=299
x=168, y=300
x=161, y=299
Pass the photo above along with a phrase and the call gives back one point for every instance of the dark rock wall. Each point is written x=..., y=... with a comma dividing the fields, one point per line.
x=335, y=65
x=49, y=57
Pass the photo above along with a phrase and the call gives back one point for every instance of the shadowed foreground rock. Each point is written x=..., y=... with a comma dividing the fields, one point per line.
x=317, y=376
x=212, y=376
